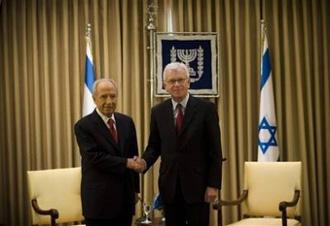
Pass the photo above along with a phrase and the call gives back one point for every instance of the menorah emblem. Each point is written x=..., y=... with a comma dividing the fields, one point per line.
x=189, y=55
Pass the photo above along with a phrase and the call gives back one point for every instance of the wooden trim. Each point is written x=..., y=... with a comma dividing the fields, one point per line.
x=53, y=213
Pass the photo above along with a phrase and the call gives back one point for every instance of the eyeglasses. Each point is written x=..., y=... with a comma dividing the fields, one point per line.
x=180, y=81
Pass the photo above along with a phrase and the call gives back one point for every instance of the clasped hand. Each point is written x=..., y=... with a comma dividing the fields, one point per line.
x=136, y=163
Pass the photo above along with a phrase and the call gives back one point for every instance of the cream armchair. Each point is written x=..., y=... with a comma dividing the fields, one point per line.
x=270, y=196
x=55, y=196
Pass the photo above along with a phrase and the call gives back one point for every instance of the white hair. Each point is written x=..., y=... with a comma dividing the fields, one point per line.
x=98, y=81
x=175, y=66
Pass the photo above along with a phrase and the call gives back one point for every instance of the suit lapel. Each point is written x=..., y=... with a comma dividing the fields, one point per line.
x=104, y=130
x=189, y=114
x=121, y=134
x=167, y=116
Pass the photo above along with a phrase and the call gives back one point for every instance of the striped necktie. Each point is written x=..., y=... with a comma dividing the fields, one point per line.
x=113, y=130
x=179, y=118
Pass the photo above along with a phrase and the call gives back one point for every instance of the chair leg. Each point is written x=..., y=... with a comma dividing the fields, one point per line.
x=53, y=221
x=284, y=218
x=220, y=216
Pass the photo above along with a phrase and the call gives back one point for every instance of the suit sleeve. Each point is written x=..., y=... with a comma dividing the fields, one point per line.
x=214, y=149
x=152, y=151
x=135, y=152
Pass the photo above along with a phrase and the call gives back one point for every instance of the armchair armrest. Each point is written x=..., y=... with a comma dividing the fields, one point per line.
x=53, y=213
x=220, y=203
x=283, y=205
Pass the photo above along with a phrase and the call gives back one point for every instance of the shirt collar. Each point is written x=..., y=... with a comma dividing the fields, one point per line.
x=104, y=117
x=183, y=102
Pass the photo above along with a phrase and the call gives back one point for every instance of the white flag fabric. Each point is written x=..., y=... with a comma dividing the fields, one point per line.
x=88, y=102
x=267, y=142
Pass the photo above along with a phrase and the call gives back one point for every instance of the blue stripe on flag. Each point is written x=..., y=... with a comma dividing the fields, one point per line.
x=265, y=68
x=89, y=76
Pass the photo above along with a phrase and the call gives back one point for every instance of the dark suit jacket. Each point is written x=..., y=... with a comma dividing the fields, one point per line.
x=193, y=156
x=107, y=187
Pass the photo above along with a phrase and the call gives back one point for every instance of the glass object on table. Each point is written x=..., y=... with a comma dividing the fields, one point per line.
x=146, y=210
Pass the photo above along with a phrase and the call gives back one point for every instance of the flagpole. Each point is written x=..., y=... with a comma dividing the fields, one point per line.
x=262, y=21
x=151, y=29
x=262, y=37
x=169, y=18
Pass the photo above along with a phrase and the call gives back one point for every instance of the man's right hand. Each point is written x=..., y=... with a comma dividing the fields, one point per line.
x=136, y=163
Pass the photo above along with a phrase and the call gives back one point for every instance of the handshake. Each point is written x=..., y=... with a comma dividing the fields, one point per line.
x=137, y=164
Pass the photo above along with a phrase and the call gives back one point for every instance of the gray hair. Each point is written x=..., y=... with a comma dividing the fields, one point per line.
x=98, y=81
x=175, y=66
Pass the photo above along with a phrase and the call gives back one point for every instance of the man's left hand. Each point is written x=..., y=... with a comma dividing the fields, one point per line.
x=210, y=194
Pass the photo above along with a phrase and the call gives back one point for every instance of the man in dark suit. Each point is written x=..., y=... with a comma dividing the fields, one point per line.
x=108, y=144
x=184, y=131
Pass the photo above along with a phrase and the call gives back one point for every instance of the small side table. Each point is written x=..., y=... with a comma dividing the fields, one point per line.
x=155, y=222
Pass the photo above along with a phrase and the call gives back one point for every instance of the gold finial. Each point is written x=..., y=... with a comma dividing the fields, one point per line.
x=88, y=30
x=151, y=12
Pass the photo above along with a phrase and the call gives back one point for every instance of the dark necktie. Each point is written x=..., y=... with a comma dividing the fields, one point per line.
x=179, y=119
x=113, y=130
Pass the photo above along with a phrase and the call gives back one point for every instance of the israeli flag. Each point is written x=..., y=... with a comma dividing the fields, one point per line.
x=158, y=202
x=267, y=145
x=88, y=102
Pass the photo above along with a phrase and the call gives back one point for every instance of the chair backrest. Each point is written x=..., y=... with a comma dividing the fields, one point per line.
x=269, y=183
x=58, y=189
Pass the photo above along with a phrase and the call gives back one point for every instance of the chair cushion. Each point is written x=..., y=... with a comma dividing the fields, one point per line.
x=264, y=222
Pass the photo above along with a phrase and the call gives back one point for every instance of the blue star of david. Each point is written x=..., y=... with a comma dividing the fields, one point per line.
x=264, y=124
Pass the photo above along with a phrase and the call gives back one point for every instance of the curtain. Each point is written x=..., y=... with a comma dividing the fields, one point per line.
x=42, y=74
x=42, y=53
